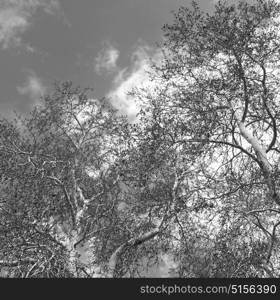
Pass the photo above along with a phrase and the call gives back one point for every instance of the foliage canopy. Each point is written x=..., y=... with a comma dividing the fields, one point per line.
x=86, y=193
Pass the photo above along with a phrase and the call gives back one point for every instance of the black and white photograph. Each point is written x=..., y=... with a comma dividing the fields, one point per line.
x=140, y=139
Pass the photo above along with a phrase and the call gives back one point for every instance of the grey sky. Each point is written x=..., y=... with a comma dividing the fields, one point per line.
x=97, y=43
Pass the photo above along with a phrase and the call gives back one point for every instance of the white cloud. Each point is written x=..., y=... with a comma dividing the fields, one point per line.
x=16, y=16
x=33, y=87
x=106, y=60
x=134, y=76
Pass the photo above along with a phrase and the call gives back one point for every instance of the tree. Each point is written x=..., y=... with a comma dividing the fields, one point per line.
x=58, y=185
x=64, y=180
x=196, y=178
x=217, y=103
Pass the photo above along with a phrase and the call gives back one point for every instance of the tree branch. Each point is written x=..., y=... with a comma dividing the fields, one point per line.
x=67, y=197
x=224, y=143
x=16, y=263
x=149, y=235
x=264, y=98
x=132, y=242
x=263, y=210
x=242, y=77
x=272, y=241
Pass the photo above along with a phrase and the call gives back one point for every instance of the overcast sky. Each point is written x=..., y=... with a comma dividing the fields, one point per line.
x=103, y=44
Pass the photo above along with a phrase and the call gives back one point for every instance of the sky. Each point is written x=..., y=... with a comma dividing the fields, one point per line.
x=103, y=44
